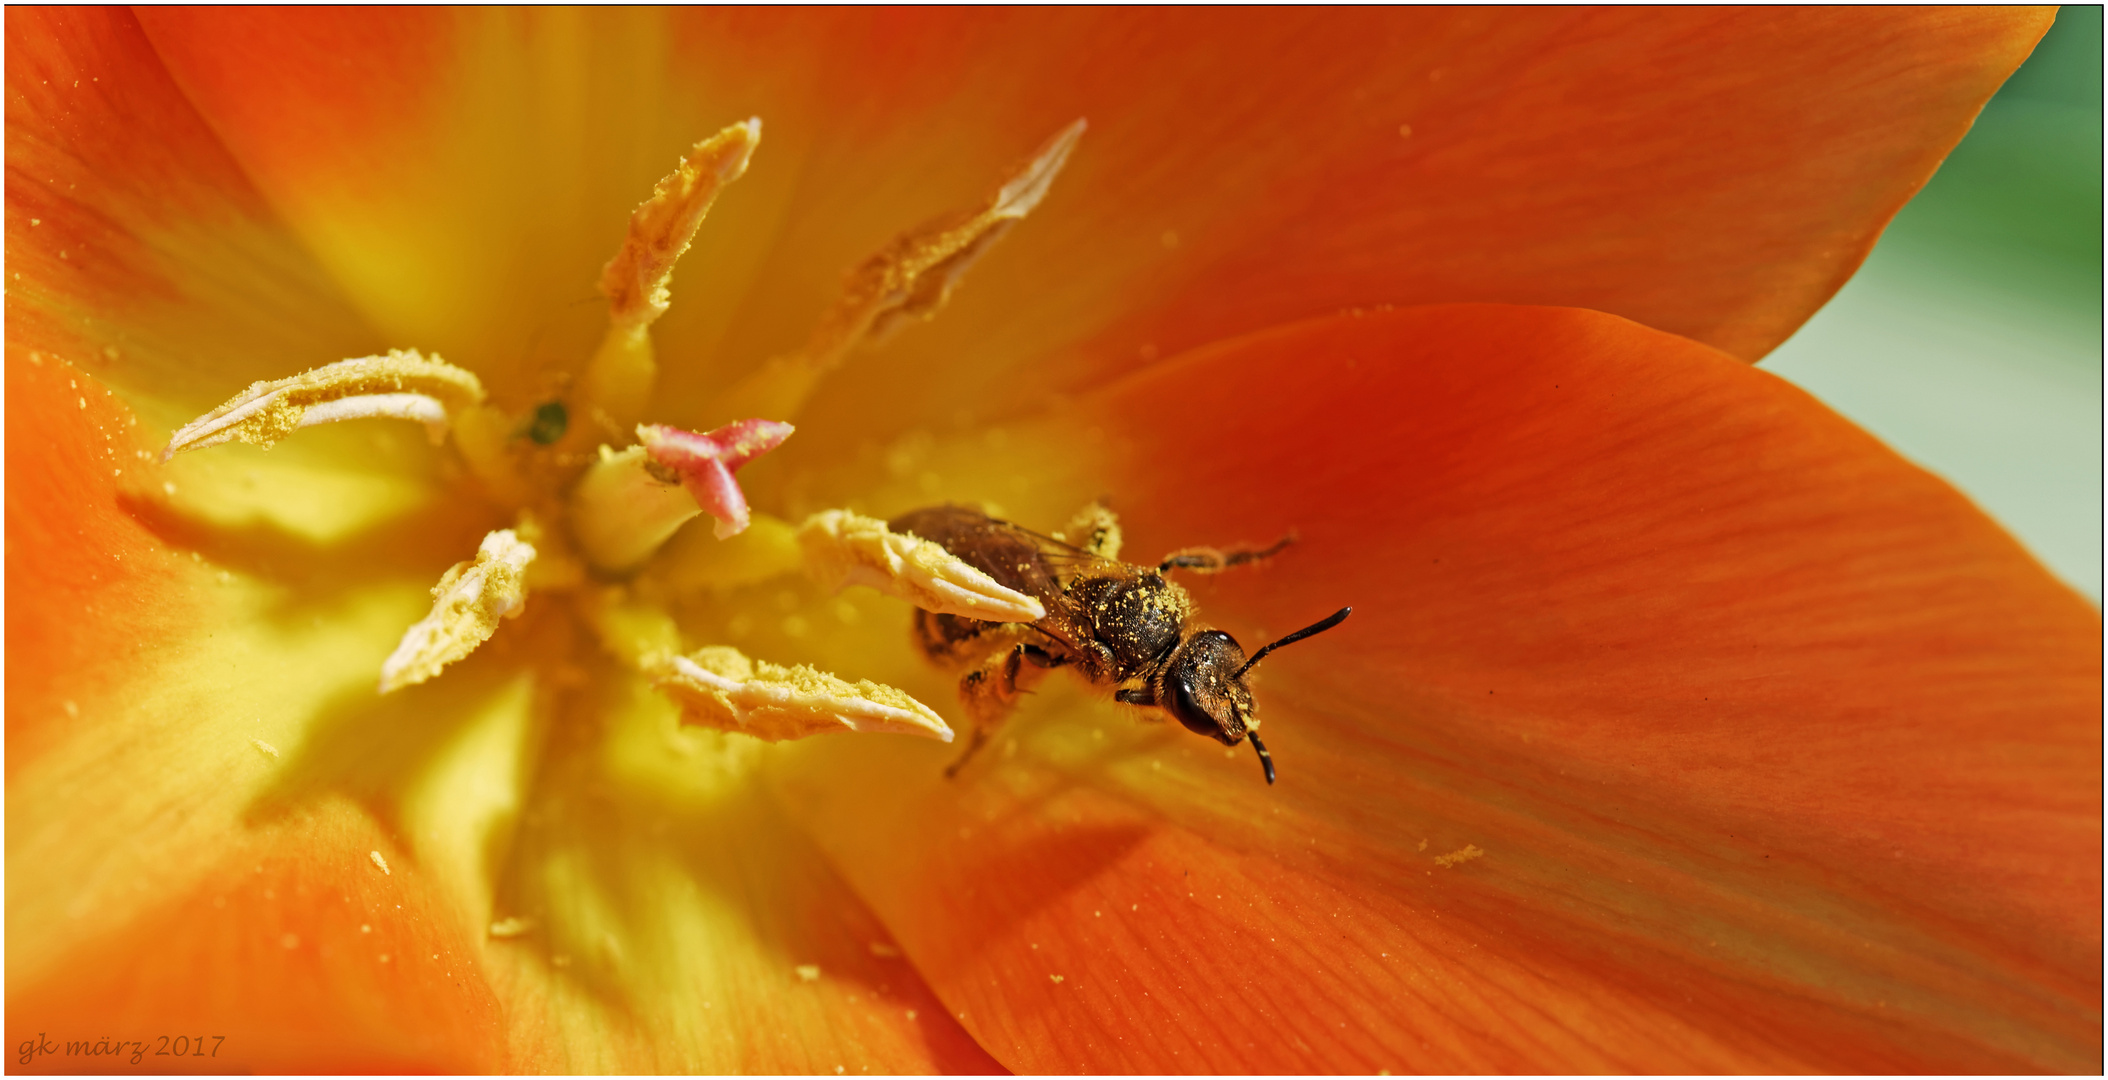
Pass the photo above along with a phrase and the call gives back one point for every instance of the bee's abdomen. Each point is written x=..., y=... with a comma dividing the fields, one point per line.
x=947, y=638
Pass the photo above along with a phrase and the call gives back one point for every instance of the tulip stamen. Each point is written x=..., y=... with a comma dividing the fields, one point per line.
x=720, y=687
x=618, y=379
x=907, y=280
x=466, y=606
x=578, y=516
x=402, y=384
x=843, y=548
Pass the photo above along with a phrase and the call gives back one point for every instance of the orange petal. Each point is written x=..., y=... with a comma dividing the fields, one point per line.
x=87, y=586
x=1714, y=172
x=295, y=952
x=140, y=903
x=676, y=922
x=465, y=175
x=136, y=246
x=170, y=730
x=1680, y=727
x=1717, y=173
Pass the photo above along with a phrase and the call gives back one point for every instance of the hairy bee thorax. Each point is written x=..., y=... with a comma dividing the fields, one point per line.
x=1136, y=622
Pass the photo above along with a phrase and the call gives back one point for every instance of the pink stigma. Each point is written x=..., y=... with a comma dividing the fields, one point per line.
x=707, y=460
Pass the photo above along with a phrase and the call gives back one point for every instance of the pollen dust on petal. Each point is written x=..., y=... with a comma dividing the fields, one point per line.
x=1461, y=855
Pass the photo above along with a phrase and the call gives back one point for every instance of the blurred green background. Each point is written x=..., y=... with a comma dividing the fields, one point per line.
x=1971, y=339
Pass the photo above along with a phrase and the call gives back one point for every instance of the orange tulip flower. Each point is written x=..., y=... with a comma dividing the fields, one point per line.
x=1680, y=726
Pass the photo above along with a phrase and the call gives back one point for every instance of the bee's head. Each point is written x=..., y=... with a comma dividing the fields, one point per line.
x=1203, y=686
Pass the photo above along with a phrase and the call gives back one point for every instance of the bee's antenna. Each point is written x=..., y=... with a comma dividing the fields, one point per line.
x=1318, y=627
x=1265, y=759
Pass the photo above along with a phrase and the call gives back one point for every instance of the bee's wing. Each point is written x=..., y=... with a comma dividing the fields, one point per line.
x=1069, y=562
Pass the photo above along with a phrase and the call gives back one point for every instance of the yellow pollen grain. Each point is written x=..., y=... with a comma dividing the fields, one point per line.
x=1095, y=529
x=264, y=746
x=1461, y=855
x=808, y=972
x=380, y=862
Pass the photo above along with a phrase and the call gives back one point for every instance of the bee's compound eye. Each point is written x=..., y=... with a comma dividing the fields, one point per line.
x=1187, y=709
x=1199, y=689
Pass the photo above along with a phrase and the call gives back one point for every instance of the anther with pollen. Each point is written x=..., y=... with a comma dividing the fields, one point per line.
x=908, y=280
x=403, y=384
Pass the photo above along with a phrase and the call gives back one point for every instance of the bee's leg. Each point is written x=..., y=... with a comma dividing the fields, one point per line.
x=1094, y=529
x=1212, y=560
x=990, y=692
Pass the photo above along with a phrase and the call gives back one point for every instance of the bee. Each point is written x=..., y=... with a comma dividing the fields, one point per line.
x=1117, y=624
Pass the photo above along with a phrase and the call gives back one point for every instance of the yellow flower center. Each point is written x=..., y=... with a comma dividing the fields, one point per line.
x=596, y=492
